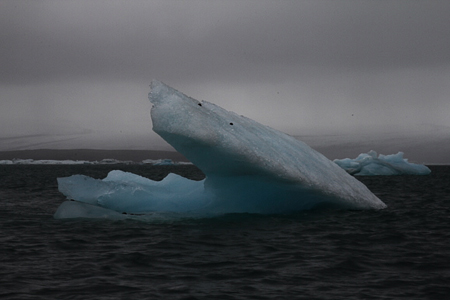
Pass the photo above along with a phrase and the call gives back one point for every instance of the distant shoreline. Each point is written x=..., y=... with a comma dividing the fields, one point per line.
x=91, y=155
x=98, y=155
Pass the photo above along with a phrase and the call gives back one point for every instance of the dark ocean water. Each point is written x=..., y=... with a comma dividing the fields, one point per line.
x=402, y=252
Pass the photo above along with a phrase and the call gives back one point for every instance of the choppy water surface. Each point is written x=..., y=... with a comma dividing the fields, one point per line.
x=402, y=252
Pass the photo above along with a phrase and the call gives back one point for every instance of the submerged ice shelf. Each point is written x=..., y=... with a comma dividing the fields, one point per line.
x=249, y=167
x=370, y=164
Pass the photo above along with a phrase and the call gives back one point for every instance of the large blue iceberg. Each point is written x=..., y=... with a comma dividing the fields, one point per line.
x=249, y=168
x=369, y=164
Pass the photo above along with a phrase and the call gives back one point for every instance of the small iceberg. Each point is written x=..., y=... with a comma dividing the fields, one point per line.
x=160, y=162
x=249, y=168
x=369, y=164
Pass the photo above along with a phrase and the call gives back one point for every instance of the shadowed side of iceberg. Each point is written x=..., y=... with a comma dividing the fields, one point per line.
x=123, y=195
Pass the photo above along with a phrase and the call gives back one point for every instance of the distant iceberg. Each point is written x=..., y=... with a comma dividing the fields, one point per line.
x=164, y=162
x=249, y=168
x=43, y=162
x=368, y=164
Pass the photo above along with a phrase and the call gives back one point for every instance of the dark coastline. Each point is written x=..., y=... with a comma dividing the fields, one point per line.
x=91, y=155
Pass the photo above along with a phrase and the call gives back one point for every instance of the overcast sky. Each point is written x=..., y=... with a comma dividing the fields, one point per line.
x=352, y=74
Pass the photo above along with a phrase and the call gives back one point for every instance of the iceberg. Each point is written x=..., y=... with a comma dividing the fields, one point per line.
x=369, y=164
x=249, y=168
x=128, y=193
x=42, y=162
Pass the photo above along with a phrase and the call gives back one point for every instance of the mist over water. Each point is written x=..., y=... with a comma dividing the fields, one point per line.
x=396, y=253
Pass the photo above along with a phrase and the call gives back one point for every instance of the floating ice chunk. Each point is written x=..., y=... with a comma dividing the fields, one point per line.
x=370, y=164
x=160, y=162
x=131, y=193
x=249, y=167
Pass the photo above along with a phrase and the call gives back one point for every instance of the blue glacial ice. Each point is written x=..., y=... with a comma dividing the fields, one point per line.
x=368, y=164
x=122, y=192
x=249, y=168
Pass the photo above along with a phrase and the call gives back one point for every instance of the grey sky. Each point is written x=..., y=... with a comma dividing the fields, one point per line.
x=75, y=74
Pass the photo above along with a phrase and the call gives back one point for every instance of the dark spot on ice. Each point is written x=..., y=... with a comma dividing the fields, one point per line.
x=231, y=123
x=199, y=104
